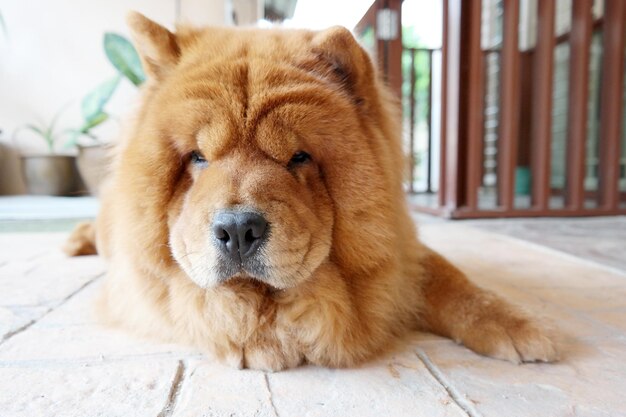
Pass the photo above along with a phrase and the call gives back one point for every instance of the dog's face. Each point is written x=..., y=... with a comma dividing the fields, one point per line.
x=253, y=198
x=259, y=136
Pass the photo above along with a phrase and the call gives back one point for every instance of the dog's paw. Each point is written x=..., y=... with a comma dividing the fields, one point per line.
x=82, y=240
x=513, y=339
x=227, y=354
x=271, y=358
x=233, y=358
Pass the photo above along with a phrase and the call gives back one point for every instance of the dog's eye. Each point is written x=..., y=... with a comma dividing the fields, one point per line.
x=299, y=158
x=198, y=160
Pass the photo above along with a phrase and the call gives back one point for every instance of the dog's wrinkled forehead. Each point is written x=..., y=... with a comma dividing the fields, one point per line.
x=246, y=107
x=220, y=118
x=238, y=58
x=270, y=90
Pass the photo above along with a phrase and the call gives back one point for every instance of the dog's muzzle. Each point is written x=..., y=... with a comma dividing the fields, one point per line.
x=239, y=235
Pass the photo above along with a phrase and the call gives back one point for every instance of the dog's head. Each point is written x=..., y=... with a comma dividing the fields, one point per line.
x=259, y=153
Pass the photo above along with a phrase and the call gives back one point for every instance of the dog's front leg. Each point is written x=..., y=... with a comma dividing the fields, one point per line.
x=322, y=320
x=456, y=308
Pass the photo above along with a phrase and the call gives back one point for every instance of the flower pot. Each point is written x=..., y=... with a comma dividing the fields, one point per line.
x=93, y=164
x=51, y=174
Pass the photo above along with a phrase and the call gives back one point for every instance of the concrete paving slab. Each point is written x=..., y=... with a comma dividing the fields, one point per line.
x=396, y=385
x=587, y=382
x=72, y=334
x=211, y=389
x=108, y=389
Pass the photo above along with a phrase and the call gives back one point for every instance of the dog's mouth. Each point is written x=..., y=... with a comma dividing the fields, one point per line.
x=243, y=280
x=252, y=269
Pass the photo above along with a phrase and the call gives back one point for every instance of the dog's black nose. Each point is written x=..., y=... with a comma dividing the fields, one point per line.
x=239, y=234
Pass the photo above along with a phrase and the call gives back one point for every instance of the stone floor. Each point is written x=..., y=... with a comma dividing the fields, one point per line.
x=55, y=360
x=599, y=239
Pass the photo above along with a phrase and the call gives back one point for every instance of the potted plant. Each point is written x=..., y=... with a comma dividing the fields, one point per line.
x=49, y=173
x=94, y=156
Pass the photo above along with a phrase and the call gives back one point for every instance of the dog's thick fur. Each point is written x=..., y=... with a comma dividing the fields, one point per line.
x=344, y=273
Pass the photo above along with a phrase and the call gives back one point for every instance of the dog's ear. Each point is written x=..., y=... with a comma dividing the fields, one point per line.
x=347, y=61
x=157, y=46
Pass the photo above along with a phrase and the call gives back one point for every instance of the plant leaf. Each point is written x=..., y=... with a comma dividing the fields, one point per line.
x=73, y=139
x=94, y=102
x=93, y=122
x=85, y=129
x=74, y=134
x=124, y=57
x=35, y=129
x=44, y=133
x=50, y=130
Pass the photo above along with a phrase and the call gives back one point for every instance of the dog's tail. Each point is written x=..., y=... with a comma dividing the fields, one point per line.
x=82, y=241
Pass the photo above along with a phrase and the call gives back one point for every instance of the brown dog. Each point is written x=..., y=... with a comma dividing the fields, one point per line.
x=256, y=210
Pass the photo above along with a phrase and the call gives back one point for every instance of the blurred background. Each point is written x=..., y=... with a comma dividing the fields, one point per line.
x=511, y=108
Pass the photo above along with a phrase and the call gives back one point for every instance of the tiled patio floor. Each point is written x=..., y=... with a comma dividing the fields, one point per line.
x=55, y=360
x=599, y=239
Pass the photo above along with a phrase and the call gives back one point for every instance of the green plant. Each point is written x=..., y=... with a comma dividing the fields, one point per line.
x=123, y=56
x=92, y=108
x=47, y=131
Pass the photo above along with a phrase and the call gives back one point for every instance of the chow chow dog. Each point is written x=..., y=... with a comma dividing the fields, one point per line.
x=255, y=210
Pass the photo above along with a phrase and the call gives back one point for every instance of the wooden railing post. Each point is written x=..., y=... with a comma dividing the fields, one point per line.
x=580, y=44
x=541, y=135
x=462, y=104
x=509, y=106
x=472, y=101
x=449, y=190
x=611, y=102
x=388, y=51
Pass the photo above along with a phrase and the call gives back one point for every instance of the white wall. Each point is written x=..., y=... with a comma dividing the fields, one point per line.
x=53, y=56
